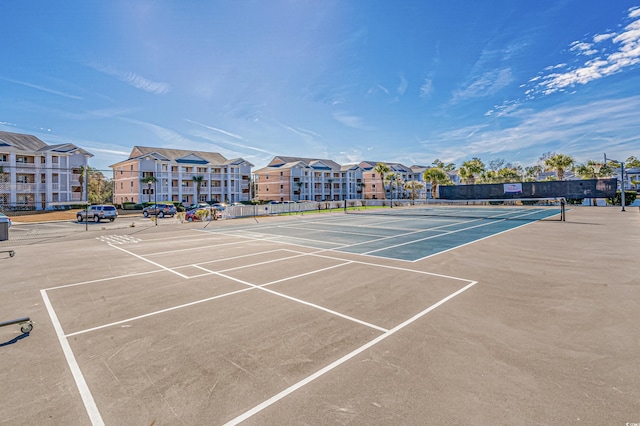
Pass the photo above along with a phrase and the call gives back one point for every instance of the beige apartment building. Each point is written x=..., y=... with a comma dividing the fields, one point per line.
x=307, y=179
x=310, y=179
x=153, y=174
x=38, y=176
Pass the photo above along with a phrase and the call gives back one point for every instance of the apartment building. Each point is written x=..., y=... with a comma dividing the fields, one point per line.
x=37, y=176
x=157, y=174
x=307, y=179
x=379, y=187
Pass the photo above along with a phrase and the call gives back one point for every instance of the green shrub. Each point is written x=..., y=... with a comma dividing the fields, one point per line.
x=629, y=197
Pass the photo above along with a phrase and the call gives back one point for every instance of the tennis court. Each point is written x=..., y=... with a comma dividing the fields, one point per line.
x=409, y=234
x=328, y=319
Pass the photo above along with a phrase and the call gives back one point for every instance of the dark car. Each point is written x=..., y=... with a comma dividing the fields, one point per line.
x=97, y=213
x=160, y=210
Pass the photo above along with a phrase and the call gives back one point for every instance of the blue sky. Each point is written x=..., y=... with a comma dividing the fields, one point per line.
x=398, y=81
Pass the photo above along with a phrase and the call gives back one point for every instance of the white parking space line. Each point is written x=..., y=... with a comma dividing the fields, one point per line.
x=85, y=393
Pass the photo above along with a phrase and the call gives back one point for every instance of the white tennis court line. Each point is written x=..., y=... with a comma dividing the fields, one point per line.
x=474, y=241
x=84, y=391
x=161, y=311
x=443, y=234
x=303, y=302
x=255, y=410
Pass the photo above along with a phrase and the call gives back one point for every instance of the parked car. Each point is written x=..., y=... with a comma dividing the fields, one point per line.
x=219, y=206
x=2, y=215
x=198, y=205
x=194, y=215
x=97, y=213
x=160, y=210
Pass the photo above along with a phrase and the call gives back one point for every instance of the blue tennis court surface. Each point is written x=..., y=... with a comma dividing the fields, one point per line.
x=398, y=236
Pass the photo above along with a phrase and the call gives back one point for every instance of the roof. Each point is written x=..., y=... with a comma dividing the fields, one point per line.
x=21, y=142
x=369, y=165
x=315, y=163
x=31, y=143
x=178, y=155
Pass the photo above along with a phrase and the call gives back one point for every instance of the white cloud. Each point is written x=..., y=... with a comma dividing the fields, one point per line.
x=350, y=120
x=626, y=54
x=134, y=80
x=586, y=129
x=486, y=84
x=426, y=88
x=583, y=48
x=402, y=87
x=224, y=132
x=41, y=88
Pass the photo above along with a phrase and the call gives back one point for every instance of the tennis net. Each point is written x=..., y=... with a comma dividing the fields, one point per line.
x=527, y=209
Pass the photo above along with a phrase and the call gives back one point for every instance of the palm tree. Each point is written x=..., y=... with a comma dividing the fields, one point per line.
x=390, y=179
x=441, y=165
x=472, y=168
x=559, y=163
x=413, y=186
x=197, y=182
x=632, y=162
x=382, y=169
x=83, y=171
x=587, y=170
x=435, y=176
x=150, y=179
x=360, y=186
x=531, y=172
x=299, y=185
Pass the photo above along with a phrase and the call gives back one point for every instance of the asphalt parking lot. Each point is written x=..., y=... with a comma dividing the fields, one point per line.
x=245, y=322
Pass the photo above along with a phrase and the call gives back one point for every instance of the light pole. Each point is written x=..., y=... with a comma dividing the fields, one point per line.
x=86, y=194
x=155, y=197
x=621, y=177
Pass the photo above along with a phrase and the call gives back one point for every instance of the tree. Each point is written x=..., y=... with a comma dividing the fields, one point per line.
x=531, y=172
x=632, y=162
x=436, y=176
x=588, y=170
x=559, y=163
x=496, y=164
x=413, y=186
x=382, y=169
x=473, y=169
x=509, y=174
x=150, y=179
x=441, y=165
x=299, y=185
x=392, y=180
x=83, y=171
x=198, y=183
x=99, y=188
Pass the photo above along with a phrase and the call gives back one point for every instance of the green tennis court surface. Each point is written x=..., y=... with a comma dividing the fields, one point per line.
x=408, y=234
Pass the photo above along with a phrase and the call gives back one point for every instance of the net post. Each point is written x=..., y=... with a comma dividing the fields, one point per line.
x=562, y=209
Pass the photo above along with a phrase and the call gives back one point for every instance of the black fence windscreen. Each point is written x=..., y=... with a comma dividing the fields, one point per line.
x=570, y=189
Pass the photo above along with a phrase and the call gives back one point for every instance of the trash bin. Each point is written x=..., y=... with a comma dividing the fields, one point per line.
x=4, y=228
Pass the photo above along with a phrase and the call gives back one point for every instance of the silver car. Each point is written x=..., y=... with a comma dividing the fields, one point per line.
x=97, y=213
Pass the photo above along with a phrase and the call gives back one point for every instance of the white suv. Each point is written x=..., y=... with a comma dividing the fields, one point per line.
x=97, y=213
